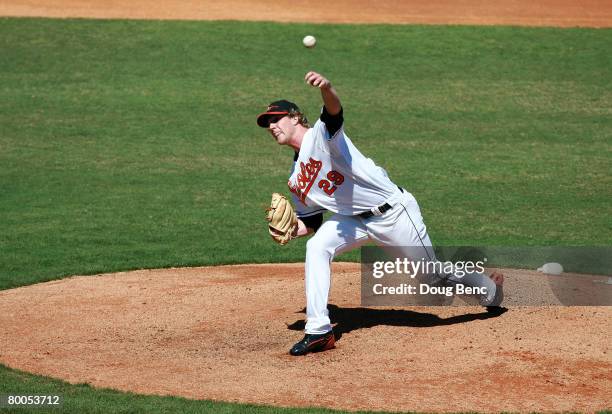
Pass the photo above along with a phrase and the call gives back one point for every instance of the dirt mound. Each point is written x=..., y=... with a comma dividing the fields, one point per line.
x=223, y=333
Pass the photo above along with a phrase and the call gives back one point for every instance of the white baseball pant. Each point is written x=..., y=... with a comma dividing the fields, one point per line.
x=401, y=226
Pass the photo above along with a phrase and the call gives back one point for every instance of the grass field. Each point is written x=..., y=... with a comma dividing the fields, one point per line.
x=83, y=399
x=132, y=144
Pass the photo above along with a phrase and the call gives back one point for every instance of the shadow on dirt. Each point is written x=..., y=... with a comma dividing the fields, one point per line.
x=349, y=319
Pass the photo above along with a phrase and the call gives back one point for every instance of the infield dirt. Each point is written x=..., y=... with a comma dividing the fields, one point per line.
x=561, y=13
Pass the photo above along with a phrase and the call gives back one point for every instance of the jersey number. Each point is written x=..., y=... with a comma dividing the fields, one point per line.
x=332, y=177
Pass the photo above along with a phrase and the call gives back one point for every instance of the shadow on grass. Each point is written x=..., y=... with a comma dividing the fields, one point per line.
x=349, y=319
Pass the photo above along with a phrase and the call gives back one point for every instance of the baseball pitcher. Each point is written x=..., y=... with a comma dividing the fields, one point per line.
x=330, y=174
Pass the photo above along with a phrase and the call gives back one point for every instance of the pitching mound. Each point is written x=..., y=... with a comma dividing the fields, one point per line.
x=223, y=333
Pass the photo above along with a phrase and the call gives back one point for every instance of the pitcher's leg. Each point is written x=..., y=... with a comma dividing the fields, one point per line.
x=403, y=233
x=336, y=235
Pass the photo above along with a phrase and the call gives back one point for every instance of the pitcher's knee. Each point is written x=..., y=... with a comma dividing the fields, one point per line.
x=314, y=246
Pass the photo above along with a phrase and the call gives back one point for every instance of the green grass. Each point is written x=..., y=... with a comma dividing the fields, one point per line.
x=132, y=144
x=81, y=398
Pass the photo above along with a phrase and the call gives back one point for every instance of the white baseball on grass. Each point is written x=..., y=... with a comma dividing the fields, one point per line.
x=551, y=269
x=309, y=41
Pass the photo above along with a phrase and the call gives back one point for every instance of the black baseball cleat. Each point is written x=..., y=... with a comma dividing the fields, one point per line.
x=314, y=343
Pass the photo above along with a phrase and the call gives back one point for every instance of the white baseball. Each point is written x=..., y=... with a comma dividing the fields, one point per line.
x=309, y=41
x=551, y=269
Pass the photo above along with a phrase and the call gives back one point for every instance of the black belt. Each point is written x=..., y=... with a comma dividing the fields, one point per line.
x=383, y=209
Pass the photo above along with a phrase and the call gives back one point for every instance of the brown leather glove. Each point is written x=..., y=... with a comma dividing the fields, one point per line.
x=282, y=219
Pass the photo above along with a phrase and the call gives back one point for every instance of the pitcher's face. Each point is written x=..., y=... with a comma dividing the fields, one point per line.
x=282, y=128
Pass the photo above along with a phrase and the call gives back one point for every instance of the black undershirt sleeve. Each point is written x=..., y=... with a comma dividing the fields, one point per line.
x=332, y=122
x=313, y=222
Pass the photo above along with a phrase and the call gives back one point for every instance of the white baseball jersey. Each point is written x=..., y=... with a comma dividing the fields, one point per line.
x=332, y=174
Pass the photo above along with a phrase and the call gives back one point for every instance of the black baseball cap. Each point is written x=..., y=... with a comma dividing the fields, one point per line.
x=276, y=108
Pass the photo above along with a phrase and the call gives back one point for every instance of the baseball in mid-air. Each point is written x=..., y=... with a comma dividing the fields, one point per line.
x=309, y=41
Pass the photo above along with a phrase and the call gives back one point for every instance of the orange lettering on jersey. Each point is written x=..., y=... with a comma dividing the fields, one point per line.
x=305, y=178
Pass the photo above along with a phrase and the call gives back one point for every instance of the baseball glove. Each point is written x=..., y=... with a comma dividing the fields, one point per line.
x=282, y=219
